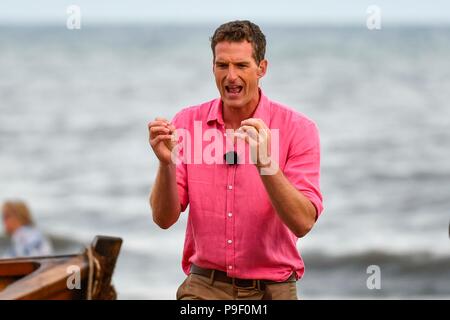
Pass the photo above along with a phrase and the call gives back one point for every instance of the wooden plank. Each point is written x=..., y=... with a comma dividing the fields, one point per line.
x=17, y=268
x=49, y=279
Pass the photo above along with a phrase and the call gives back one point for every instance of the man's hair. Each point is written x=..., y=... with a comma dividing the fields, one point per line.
x=241, y=30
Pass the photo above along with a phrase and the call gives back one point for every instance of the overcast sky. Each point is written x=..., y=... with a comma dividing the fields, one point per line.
x=205, y=11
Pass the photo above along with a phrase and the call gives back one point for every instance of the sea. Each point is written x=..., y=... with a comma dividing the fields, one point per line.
x=74, y=108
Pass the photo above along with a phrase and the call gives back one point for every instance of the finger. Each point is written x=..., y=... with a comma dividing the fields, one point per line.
x=246, y=128
x=171, y=127
x=263, y=133
x=157, y=123
x=246, y=138
x=253, y=148
x=253, y=144
x=249, y=130
x=159, y=129
x=161, y=119
x=254, y=122
x=155, y=133
x=159, y=138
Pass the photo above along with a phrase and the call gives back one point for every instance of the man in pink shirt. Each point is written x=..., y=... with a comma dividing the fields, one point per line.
x=248, y=168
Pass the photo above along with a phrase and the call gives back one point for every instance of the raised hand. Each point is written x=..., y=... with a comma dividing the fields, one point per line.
x=162, y=139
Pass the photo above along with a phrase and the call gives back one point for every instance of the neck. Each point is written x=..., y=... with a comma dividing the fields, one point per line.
x=233, y=116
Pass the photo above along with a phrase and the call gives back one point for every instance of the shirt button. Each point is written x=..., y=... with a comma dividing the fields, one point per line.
x=230, y=241
x=230, y=214
x=230, y=267
x=230, y=187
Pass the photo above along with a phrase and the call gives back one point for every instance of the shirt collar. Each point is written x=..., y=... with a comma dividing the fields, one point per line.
x=262, y=110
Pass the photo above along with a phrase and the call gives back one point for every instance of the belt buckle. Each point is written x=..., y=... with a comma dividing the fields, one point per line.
x=253, y=286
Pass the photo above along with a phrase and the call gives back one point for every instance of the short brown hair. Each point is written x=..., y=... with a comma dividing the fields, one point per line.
x=241, y=30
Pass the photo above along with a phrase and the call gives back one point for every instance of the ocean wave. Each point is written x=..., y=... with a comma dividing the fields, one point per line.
x=403, y=262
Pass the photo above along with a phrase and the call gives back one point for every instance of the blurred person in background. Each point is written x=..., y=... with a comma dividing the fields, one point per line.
x=26, y=239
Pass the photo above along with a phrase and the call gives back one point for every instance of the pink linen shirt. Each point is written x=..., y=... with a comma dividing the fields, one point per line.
x=232, y=225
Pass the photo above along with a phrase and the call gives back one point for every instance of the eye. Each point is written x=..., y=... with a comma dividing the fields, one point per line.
x=221, y=65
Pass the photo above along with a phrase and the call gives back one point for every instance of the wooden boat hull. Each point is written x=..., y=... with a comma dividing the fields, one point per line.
x=70, y=277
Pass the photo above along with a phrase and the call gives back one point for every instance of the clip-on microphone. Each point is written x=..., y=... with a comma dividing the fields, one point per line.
x=231, y=157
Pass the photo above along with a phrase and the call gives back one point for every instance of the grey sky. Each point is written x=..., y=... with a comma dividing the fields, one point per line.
x=281, y=11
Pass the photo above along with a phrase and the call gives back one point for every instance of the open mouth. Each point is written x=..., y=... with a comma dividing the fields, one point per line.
x=233, y=89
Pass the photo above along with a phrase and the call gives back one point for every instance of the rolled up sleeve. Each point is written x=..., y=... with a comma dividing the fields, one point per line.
x=302, y=167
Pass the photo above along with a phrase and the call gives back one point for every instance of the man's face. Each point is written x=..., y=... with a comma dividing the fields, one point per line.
x=237, y=73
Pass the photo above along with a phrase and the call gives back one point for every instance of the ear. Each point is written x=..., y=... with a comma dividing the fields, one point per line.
x=262, y=68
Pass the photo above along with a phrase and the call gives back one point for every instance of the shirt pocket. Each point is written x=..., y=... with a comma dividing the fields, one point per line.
x=203, y=188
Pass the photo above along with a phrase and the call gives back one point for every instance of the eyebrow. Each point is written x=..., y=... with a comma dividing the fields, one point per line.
x=238, y=62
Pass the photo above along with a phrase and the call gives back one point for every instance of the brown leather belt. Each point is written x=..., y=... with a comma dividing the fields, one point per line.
x=217, y=275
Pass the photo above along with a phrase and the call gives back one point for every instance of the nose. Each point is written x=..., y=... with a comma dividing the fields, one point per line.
x=232, y=74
